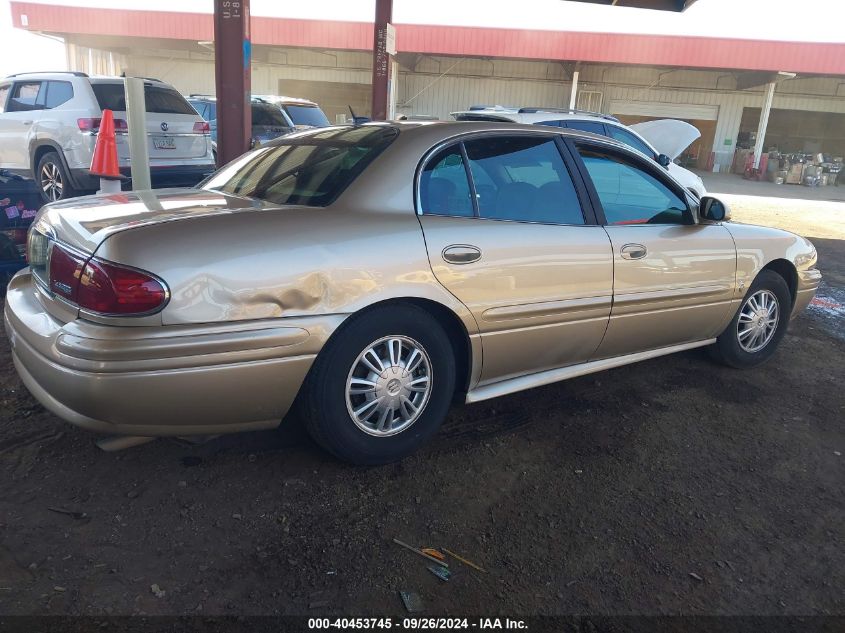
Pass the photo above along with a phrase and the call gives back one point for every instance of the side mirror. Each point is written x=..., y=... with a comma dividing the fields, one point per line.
x=713, y=209
x=663, y=160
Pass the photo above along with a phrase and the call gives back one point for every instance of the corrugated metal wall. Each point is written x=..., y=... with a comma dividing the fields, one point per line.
x=440, y=85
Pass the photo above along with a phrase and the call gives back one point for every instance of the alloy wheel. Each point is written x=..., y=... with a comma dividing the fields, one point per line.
x=389, y=385
x=51, y=181
x=758, y=321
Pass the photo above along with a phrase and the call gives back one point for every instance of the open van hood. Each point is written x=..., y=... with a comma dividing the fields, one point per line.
x=667, y=136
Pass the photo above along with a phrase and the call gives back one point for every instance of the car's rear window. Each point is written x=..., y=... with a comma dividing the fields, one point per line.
x=160, y=100
x=265, y=114
x=306, y=115
x=311, y=170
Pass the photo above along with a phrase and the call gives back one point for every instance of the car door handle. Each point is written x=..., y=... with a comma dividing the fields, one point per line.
x=461, y=254
x=26, y=122
x=633, y=251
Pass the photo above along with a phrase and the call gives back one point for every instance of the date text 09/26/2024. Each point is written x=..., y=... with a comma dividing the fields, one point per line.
x=413, y=624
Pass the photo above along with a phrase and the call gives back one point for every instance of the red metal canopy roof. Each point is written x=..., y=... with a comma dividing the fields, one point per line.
x=653, y=50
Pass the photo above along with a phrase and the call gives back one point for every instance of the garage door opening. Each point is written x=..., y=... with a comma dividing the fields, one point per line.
x=795, y=132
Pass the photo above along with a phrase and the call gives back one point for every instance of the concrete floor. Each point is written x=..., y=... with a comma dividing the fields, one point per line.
x=736, y=184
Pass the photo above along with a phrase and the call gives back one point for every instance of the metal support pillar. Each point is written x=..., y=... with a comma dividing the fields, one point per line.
x=573, y=91
x=232, y=74
x=764, y=122
x=381, y=61
x=136, y=121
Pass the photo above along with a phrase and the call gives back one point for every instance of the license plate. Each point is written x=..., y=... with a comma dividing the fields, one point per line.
x=164, y=142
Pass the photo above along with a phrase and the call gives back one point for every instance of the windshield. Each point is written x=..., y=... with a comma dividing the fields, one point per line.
x=306, y=115
x=160, y=100
x=311, y=170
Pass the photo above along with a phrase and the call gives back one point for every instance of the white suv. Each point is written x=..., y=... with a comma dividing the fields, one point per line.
x=49, y=124
x=662, y=140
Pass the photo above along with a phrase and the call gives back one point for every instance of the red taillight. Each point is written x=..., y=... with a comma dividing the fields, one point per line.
x=93, y=124
x=65, y=270
x=202, y=127
x=111, y=289
x=104, y=287
x=88, y=125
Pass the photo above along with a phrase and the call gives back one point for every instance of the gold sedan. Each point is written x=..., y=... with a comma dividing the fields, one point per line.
x=374, y=274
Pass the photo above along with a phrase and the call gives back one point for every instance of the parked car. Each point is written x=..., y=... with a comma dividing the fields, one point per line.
x=49, y=124
x=301, y=114
x=361, y=271
x=662, y=140
x=268, y=122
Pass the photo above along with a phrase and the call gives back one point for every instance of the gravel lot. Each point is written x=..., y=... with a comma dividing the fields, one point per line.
x=675, y=486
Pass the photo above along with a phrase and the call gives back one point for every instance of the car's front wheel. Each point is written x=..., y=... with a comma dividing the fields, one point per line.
x=758, y=326
x=52, y=178
x=381, y=387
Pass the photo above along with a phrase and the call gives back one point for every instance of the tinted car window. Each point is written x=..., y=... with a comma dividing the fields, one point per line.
x=630, y=194
x=25, y=97
x=631, y=140
x=550, y=123
x=4, y=93
x=530, y=182
x=444, y=186
x=306, y=115
x=200, y=107
x=159, y=100
x=585, y=126
x=311, y=170
x=58, y=92
x=265, y=114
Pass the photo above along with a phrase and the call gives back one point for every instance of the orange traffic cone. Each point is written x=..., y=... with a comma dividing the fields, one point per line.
x=104, y=161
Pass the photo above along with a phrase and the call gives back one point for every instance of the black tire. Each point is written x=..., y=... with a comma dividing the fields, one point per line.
x=728, y=349
x=323, y=400
x=51, y=168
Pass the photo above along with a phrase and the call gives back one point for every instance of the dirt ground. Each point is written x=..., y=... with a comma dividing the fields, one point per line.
x=674, y=486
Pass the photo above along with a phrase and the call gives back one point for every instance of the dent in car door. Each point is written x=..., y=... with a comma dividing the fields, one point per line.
x=519, y=255
x=674, y=280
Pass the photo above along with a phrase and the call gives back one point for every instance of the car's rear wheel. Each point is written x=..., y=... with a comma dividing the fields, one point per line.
x=52, y=178
x=758, y=325
x=381, y=387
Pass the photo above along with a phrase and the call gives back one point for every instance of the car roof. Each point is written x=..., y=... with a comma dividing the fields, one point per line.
x=278, y=99
x=534, y=115
x=268, y=99
x=65, y=75
x=436, y=132
x=58, y=74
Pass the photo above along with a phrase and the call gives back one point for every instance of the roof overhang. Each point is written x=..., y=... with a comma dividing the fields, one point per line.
x=672, y=51
x=658, y=5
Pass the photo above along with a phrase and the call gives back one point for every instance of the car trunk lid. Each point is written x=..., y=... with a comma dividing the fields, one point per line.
x=84, y=223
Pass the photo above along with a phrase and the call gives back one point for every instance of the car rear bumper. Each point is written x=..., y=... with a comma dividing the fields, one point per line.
x=160, y=380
